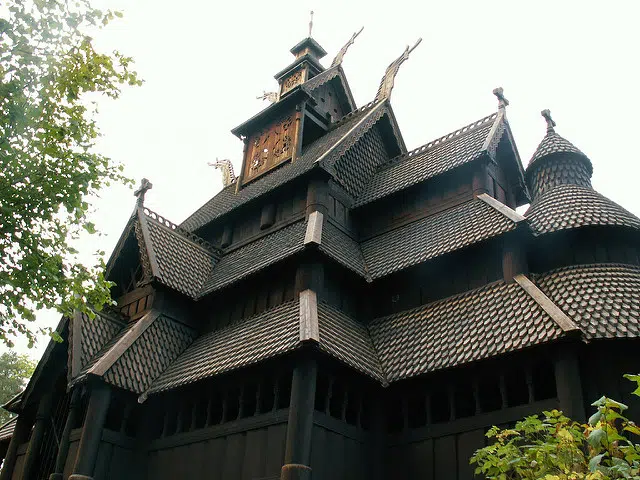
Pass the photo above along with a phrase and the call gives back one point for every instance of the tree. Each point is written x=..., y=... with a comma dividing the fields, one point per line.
x=15, y=371
x=557, y=448
x=49, y=170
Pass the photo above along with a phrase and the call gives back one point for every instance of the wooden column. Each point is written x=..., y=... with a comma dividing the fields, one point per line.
x=92, y=433
x=316, y=197
x=35, y=442
x=63, y=448
x=514, y=257
x=300, y=425
x=569, y=384
x=20, y=435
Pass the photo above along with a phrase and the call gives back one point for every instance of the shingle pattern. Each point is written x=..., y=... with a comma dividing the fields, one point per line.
x=150, y=354
x=182, y=264
x=257, y=338
x=228, y=199
x=556, y=171
x=256, y=255
x=603, y=300
x=342, y=248
x=357, y=165
x=6, y=430
x=96, y=333
x=321, y=79
x=553, y=143
x=437, y=157
x=106, y=347
x=573, y=206
x=432, y=236
x=348, y=341
x=482, y=323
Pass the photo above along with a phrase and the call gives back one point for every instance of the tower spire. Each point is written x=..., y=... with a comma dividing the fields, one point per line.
x=310, y=23
x=547, y=116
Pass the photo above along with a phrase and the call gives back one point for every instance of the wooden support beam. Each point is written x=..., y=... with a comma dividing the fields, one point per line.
x=300, y=425
x=63, y=449
x=92, y=432
x=569, y=383
x=35, y=442
x=20, y=435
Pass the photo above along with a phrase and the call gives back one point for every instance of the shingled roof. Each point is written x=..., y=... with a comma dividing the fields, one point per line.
x=452, y=229
x=319, y=154
x=96, y=333
x=482, y=323
x=434, y=158
x=249, y=341
x=178, y=259
x=570, y=206
x=6, y=430
x=348, y=340
x=603, y=299
x=139, y=352
x=551, y=144
x=267, y=250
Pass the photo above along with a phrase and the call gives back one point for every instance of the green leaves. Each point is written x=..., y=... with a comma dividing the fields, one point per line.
x=49, y=170
x=553, y=447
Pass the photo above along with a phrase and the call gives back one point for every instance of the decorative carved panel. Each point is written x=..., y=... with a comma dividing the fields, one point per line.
x=296, y=78
x=269, y=147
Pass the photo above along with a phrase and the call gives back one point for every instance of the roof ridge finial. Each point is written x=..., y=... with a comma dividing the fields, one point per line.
x=145, y=185
x=340, y=56
x=310, y=23
x=546, y=113
x=502, y=100
x=386, y=85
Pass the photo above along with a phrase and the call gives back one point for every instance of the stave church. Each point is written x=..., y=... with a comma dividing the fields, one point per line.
x=344, y=308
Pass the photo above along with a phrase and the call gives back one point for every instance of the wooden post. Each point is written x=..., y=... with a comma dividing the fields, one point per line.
x=63, y=449
x=92, y=432
x=569, y=384
x=514, y=259
x=316, y=197
x=300, y=425
x=20, y=435
x=35, y=442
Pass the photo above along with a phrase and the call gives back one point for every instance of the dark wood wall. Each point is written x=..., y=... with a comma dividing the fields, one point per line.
x=250, y=449
x=115, y=456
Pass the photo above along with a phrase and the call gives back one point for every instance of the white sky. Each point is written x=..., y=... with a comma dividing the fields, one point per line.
x=204, y=63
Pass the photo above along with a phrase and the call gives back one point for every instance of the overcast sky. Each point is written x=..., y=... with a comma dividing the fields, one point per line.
x=204, y=63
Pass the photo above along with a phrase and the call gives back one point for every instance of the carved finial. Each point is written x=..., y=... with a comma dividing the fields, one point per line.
x=271, y=96
x=142, y=190
x=547, y=116
x=226, y=167
x=502, y=101
x=310, y=23
x=343, y=50
x=386, y=85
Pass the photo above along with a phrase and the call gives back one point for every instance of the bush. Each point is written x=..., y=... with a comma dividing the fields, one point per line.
x=555, y=447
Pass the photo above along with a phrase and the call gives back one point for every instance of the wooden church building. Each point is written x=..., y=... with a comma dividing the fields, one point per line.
x=343, y=309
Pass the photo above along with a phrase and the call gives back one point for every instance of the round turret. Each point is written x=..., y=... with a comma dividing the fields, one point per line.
x=555, y=162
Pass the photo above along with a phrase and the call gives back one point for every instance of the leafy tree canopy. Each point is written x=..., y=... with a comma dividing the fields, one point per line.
x=555, y=447
x=15, y=371
x=49, y=169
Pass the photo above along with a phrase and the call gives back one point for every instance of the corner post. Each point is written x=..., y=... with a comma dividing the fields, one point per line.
x=92, y=432
x=20, y=435
x=300, y=425
x=569, y=384
x=63, y=449
x=35, y=443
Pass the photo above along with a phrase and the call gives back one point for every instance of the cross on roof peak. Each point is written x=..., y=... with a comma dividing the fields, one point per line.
x=310, y=22
x=145, y=185
x=546, y=114
x=502, y=100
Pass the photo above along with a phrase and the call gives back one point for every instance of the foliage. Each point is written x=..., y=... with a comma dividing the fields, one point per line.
x=49, y=170
x=15, y=370
x=557, y=448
